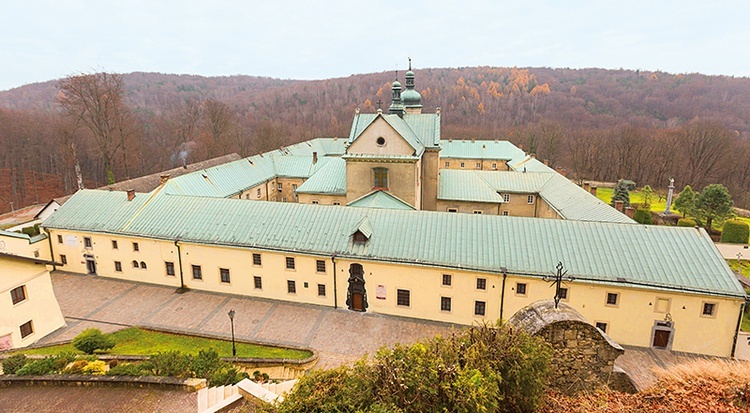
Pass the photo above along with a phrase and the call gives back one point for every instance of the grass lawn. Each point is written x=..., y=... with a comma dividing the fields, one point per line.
x=742, y=267
x=137, y=342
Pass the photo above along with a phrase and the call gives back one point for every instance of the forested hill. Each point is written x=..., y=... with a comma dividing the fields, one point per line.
x=598, y=124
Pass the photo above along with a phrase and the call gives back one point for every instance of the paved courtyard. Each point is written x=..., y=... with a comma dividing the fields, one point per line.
x=339, y=335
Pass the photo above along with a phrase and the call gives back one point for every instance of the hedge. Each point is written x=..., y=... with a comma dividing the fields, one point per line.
x=735, y=232
x=686, y=222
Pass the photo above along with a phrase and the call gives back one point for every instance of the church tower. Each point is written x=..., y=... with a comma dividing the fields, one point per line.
x=411, y=99
x=397, y=106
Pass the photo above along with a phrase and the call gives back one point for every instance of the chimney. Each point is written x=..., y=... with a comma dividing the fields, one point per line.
x=315, y=158
x=546, y=162
x=563, y=172
x=532, y=155
x=619, y=205
x=587, y=186
x=131, y=194
x=520, y=147
x=593, y=190
x=630, y=211
x=472, y=140
x=164, y=178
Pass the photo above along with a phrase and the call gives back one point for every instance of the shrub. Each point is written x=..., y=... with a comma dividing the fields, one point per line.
x=12, y=364
x=736, y=232
x=227, y=375
x=63, y=359
x=205, y=363
x=128, y=369
x=113, y=363
x=686, y=222
x=95, y=367
x=480, y=369
x=171, y=363
x=76, y=367
x=642, y=216
x=38, y=367
x=92, y=339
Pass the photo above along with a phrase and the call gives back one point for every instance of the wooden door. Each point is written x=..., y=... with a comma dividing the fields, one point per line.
x=358, y=302
x=661, y=338
x=91, y=266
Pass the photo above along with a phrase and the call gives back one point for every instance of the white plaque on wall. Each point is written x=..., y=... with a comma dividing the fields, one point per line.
x=380, y=292
x=71, y=240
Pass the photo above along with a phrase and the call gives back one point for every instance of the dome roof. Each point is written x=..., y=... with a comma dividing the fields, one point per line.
x=411, y=97
x=396, y=84
x=409, y=73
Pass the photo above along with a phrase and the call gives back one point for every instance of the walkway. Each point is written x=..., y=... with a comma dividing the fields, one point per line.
x=338, y=335
x=643, y=363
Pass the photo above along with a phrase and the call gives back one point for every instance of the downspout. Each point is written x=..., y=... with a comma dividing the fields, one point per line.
x=179, y=264
x=51, y=252
x=502, y=292
x=335, y=294
x=737, y=329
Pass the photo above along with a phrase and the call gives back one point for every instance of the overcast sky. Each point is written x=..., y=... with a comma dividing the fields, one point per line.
x=45, y=40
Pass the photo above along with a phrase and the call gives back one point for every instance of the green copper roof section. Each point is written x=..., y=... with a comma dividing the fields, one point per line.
x=573, y=202
x=364, y=227
x=329, y=179
x=682, y=259
x=288, y=166
x=419, y=130
x=426, y=126
x=322, y=146
x=380, y=200
x=12, y=234
x=458, y=185
x=466, y=149
x=511, y=181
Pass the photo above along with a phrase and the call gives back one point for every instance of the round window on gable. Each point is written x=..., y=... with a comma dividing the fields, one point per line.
x=380, y=141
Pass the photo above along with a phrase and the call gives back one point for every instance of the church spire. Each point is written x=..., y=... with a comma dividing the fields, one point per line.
x=397, y=106
x=411, y=99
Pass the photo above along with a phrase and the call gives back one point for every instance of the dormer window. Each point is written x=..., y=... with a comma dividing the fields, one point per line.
x=380, y=176
x=362, y=232
x=359, y=238
x=380, y=141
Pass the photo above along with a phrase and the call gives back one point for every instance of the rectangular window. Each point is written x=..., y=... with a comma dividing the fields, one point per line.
x=257, y=282
x=494, y=166
x=59, y=239
x=479, y=307
x=320, y=266
x=452, y=210
x=445, y=303
x=520, y=288
x=478, y=212
x=170, y=267
x=118, y=266
x=336, y=203
x=506, y=198
x=403, y=298
x=505, y=213
x=87, y=242
x=315, y=202
x=380, y=177
x=447, y=279
x=481, y=283
x=563, y=293
x=64, y=259
x=462, y=164
x=18, y=294
x=114, y=244
x=709, y=310
x=447, y=164
x=283, y=199
x=291, y=287
x=294, y=188
x=258, y=193
x=197, y=272
x=289, y=263
x=26, y=329
x=256, y=259
x=479, y=165
x=321, y=290
x=280, y=186
x=530, y=199
x=613, y=299
x=601, y=326
x=136, y=247
x=224, y=275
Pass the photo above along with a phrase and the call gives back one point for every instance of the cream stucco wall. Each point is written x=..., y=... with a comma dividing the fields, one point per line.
x=519, y=206
x=366, y=143
x=256, y=193
x=322, y=199
x=402, y=177
x=40, y=306
x=429, y=179
x=468, y=207
x=544, y=210
x=483, y=164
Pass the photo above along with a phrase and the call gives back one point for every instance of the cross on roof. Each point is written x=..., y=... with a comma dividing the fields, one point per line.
x=380, y=104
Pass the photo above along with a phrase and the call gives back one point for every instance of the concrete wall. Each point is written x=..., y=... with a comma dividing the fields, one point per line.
x=40, y=306
x=742, y=350
x=730, y=251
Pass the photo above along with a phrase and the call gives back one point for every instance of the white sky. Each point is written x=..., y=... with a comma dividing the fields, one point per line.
x=45, y=40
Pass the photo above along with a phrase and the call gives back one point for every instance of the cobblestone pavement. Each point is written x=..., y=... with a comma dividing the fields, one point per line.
x=338, y=335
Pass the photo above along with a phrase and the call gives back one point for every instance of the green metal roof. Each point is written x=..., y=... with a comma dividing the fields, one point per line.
x=573, y=202
x=419, y=130
x=330, y=179
x=647, y=256
x=12, y=234
x=458, y=185
x=380, y=199
x=501, y=150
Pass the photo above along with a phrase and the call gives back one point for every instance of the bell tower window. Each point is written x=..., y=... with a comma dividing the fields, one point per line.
x=380, y=178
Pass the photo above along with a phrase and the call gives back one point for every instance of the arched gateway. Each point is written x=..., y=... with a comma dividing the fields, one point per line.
x=356, y=295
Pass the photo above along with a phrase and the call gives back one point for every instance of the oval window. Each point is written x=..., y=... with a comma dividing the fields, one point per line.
x=380, y=141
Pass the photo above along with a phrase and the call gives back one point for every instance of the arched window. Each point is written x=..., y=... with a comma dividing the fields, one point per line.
x=380, y=178
x=135, y=264
x=143, y=265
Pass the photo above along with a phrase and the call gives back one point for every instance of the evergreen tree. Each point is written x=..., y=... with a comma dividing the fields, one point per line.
x=714, y=203
x=685, y=202
x=621, y=194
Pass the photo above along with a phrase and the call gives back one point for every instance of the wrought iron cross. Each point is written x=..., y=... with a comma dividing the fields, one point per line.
x=380, y=104
x=558, y=281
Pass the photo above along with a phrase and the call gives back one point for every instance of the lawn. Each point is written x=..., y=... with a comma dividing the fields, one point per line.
x=742, y=267
x=137, y=342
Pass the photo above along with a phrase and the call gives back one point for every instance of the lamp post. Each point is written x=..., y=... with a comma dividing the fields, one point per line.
x=231, y=321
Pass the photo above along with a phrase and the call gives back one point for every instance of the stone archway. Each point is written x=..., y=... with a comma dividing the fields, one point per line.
x=356, y=294
x=584, y=356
